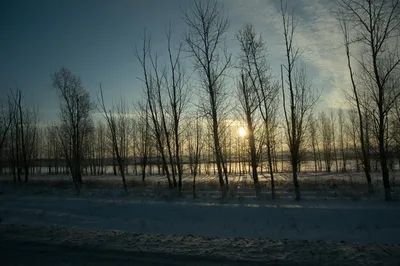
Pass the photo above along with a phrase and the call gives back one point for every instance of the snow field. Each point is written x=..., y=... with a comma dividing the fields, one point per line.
x=152, y=210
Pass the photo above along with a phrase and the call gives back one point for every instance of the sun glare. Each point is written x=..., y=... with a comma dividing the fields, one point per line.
x=242, y=132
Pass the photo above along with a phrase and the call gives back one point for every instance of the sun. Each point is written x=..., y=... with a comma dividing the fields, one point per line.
x=242, y=132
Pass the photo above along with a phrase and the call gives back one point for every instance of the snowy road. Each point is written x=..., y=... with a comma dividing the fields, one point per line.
x=350, y=221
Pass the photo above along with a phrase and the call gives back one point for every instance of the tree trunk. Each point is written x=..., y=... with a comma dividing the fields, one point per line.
x=218, y=159
x=143, y=167
x=143, y=173
x=295, y=178
x=194, y=183
x=114, y=164
x=383, y=161
x=271, y=172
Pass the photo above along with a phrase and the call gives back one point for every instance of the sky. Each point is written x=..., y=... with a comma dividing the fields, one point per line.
x=95, y=39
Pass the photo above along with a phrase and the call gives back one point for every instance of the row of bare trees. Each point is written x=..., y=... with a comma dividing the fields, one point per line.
x=374, y=26
x=371, y=38
x=339, y=147
x=19, y=131
x=332, y=143
x=183, y=121
x=166, y=93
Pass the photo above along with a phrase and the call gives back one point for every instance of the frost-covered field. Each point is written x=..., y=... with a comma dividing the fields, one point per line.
x=341, y=213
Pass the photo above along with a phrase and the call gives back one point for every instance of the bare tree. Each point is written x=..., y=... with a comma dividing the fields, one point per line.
x=178, y=95
x=5, y=121
x=353, y=131
x=249, y=105
x=144, y=141
x=153, y=79
x=24, y=135
x=116, y=121
x=342, y=139
x=334, y=144
x=15, y=135
x=37, y=152
x=75, y=115
x=205, y=42
x=301, y=98
x=375, y=26
x=96, y=151
x=31, y=140
x=313, y=132
x=262, y=92
x=395, y=130
x=132, y=141
x=164, y=123
x=100, y=147
x=152, y=90
x=356, y=99
x=5, y=128
x=327, y=140
x=53, y=150
x=87, y=146
x=194, y=148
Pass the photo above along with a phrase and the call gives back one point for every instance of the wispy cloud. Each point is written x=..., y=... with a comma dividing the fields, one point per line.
x=318, y=34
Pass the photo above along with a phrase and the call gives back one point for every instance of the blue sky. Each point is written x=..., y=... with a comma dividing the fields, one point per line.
x=95, y=39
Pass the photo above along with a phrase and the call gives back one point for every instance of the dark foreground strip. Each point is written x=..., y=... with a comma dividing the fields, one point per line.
x=34, y=245
x=32, y=254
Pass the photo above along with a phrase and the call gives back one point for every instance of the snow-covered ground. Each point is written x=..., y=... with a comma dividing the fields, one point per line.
x=334, y=224
x=33, y=245
x=152, y=211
